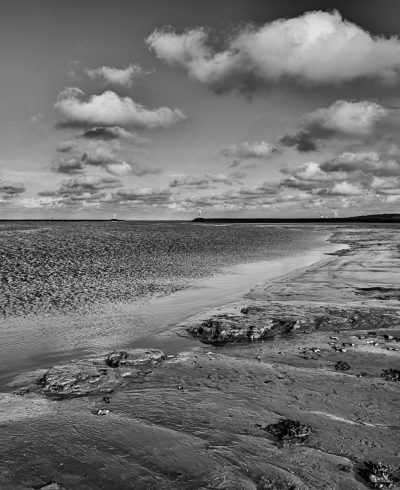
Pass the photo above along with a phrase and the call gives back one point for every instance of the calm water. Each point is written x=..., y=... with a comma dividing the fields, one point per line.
x=72, y=288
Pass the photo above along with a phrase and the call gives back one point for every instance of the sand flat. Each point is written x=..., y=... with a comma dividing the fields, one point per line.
x=196, y=421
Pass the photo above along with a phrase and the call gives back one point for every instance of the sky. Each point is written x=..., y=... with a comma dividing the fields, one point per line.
x=173, y=109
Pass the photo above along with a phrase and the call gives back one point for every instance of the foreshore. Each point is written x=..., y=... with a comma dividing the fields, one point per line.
x=320, y=345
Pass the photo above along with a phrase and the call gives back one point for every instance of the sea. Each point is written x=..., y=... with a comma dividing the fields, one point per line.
x=71, y=289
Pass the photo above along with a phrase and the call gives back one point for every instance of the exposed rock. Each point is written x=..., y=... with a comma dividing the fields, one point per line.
x=378, y=475
x=114, y=358
x=257, y=322
x=288, y=429
x=224, y=329
x=342, y=366
x=49, y=486
x=101, y=411
x=138, y=357
x=380, y=292
x=251, y=310
x=84, y=377
x=391, y=374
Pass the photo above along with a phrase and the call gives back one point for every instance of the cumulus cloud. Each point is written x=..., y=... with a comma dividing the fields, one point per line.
x=363, y=174
x=10, y=189
x=108, y=109
x=203, y=182
x=314, y=48
x=122, y=167
x=116, y=76
x=365, y=162
x=245, y=150
x=67, y=165
x=96, y=152
x=146, y=196
x=344, y=120
x=87, y=183
x=80, y=189
x=345, y=189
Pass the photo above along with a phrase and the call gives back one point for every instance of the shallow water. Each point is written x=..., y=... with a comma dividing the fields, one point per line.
x=255, y=253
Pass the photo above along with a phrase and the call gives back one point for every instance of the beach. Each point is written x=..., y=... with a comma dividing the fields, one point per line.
x=319, y=345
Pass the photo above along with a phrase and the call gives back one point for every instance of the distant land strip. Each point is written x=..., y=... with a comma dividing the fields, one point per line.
x=371, y=218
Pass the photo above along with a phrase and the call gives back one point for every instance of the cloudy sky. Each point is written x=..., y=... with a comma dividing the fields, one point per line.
x=165, y=109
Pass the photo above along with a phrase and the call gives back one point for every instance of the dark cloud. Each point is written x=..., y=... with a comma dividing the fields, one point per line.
x=144, y=196
x=82, y=188
x=10, y=189
x=110, y=133
x=67, y=166
x=203, y=182
x=303, y=141
x=365, y=162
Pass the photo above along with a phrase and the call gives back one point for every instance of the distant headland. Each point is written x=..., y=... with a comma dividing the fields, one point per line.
x=370, y=218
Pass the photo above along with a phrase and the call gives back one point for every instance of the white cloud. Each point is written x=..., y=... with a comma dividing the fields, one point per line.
x=116, y=76
x=314, y=48
x=124, y=168
x=347, y=189
x=91, y=149
x=344, y=120
x=108, y=109
x=257, y=150
x=351, y=118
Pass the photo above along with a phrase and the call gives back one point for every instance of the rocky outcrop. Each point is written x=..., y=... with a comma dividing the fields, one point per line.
x=260, y=322
x=139, y=357
x=224, y=329
x=94, y=376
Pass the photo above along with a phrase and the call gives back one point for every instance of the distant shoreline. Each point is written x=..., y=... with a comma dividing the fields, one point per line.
x=371, y=218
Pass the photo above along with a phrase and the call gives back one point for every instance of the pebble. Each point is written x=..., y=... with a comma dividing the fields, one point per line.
x=103, y=412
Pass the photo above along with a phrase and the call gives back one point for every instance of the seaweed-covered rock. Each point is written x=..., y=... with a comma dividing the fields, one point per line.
x=93, y=376
x=251, y=310
x=260, y=322
x=288, y=429
x=77, y=378
x=391, y=374
x=138, y=357
x=342, y=366
x=224, y=329
x=378, y=475
x=114, y=358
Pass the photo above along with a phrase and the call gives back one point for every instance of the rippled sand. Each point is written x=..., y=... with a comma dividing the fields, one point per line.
x=65, y=267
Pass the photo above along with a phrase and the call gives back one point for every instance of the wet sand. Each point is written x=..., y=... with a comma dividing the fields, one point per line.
x=196, y=420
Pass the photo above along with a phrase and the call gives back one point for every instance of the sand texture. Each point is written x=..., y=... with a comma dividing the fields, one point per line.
x=320, y=346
